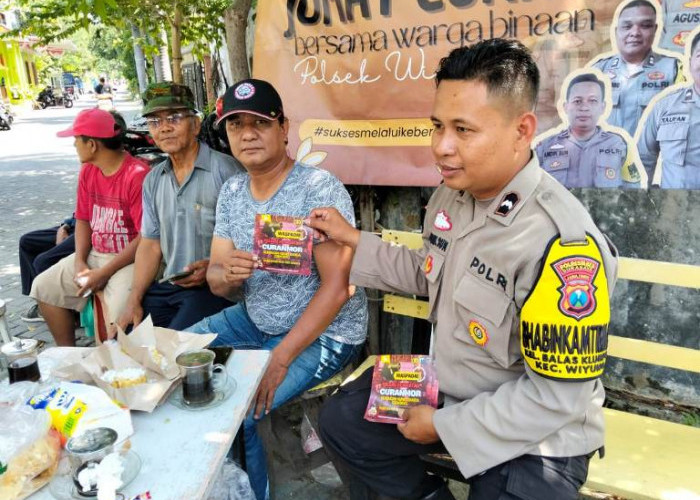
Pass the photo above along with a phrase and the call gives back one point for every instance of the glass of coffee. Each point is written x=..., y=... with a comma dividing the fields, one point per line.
x=22, y=360
x=200, y=376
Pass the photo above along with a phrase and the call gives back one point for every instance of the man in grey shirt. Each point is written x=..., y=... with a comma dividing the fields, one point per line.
x=179, y=203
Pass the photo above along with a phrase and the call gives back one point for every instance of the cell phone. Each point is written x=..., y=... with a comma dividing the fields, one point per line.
x=176, y=276
x=221, y=354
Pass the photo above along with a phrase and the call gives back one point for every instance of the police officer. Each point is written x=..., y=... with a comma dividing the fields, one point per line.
x=637, y=72
x=680, y=18
x=672, y=128
x=585, y=155
x=519, y=280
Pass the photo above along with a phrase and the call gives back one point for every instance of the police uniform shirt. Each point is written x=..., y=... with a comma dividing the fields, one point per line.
x=631, y=93
x=680, y=18
x=672, y=129
x=602, y=161
x=485, y=271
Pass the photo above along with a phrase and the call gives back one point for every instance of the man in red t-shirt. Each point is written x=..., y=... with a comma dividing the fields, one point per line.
x=108, y=223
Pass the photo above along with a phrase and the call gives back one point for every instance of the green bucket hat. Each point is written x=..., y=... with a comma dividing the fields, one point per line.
x=166, y=95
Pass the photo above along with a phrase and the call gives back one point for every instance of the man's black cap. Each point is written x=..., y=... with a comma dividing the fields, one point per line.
x=253, y=96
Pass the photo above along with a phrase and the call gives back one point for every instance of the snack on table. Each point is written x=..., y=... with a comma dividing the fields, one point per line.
x=158, y=358
x=29, y=452
x=127, y=377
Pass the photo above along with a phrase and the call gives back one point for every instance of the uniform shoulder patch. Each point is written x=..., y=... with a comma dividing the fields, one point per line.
x=564, y=321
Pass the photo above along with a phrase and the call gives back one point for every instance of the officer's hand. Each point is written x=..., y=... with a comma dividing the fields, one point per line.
x=239, y=266
x=419, y=426
x=197, y=278
x=329, y=224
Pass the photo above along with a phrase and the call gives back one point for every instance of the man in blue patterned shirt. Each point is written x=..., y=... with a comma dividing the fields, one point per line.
x=314, y=325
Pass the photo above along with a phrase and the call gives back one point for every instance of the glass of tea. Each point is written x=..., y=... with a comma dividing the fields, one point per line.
x=22, y=360
x=200, y=376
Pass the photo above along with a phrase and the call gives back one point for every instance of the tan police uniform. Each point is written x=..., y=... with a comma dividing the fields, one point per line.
x=519, y=292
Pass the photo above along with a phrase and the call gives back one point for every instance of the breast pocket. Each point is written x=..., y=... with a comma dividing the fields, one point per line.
x=607, y=171
x=485, y=314
x=558, y=167
x=673, y=142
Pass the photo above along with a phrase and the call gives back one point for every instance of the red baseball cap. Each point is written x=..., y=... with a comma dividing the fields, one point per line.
x=93, y=122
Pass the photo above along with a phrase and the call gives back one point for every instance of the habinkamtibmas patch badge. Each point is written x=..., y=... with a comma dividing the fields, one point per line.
x=564, y=322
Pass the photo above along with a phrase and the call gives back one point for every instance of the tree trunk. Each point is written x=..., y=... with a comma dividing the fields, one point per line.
x=208, y=80
x=157, y=64
x=176, y=36
x=165, y=55
x=235, y=22
x=139, y=59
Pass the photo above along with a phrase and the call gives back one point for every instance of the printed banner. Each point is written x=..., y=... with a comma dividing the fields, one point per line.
x=357, y=76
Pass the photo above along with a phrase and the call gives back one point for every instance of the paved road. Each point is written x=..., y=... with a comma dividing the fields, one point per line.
x=38, y=178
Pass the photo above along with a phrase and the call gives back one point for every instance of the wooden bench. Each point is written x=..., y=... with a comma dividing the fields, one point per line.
x=645, y=458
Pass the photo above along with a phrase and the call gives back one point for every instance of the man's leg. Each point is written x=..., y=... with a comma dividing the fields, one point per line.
x=191, y=305
x=530, y=476
x=318, y=362
x=376, y=454
x=48, y=258
x=157, y=303
x=30, y=246
x=56, y=294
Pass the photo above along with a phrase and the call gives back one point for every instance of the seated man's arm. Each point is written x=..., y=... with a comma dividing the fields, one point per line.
x=83, y=244
x=146, y=265
x=333, y=261
x=228, y=268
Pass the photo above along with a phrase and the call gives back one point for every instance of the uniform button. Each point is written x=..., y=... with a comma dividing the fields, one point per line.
x=546, y=196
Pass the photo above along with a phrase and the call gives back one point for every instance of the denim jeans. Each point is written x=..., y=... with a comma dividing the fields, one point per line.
x=321, y=360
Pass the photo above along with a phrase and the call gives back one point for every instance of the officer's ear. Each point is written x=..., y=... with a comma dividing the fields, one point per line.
x=526, y=127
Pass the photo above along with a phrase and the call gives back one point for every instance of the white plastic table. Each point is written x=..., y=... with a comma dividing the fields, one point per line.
x=182, y=451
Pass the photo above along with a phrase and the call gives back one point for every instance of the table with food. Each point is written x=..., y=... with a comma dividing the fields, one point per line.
x=151, y=415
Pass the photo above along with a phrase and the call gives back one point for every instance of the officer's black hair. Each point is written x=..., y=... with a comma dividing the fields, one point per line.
x=505, y=66
x=585, y=77
x=638, y=3
x=694, y=43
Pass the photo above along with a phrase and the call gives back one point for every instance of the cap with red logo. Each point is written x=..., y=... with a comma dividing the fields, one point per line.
x=96, y=123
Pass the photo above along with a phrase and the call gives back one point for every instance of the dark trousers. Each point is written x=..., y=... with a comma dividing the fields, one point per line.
x=378, y=456
x=172, y=306
x=38, y=251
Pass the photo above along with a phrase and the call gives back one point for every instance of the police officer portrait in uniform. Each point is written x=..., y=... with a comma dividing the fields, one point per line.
x=519, y=281
x=680, y=18
x=584, y=154
x=671, y=130
x=636, y=71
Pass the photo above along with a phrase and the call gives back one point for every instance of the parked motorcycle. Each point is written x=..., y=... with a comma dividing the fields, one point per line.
x=49, y=97
x=6, y=117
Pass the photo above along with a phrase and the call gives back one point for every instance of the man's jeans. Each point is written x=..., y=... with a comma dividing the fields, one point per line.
x=320, y=361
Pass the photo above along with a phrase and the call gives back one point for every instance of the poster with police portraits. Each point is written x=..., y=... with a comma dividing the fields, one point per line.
x=586, y=151
x=368, y=67
x=668, y=136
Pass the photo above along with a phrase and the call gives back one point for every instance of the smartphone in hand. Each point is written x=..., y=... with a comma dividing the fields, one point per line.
x=176, y=276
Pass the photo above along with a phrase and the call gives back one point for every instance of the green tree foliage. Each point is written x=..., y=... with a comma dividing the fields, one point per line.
x=198, y=23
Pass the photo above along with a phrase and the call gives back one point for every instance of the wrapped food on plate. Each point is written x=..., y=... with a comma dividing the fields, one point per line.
x=29, y=451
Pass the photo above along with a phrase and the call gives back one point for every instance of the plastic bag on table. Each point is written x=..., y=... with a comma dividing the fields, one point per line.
x=29, y=451
x=231, y=484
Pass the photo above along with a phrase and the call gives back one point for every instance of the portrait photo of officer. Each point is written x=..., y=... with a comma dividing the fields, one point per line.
x=585, y=154
x=637, y=71
x=669, y=134
x=680, y=18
